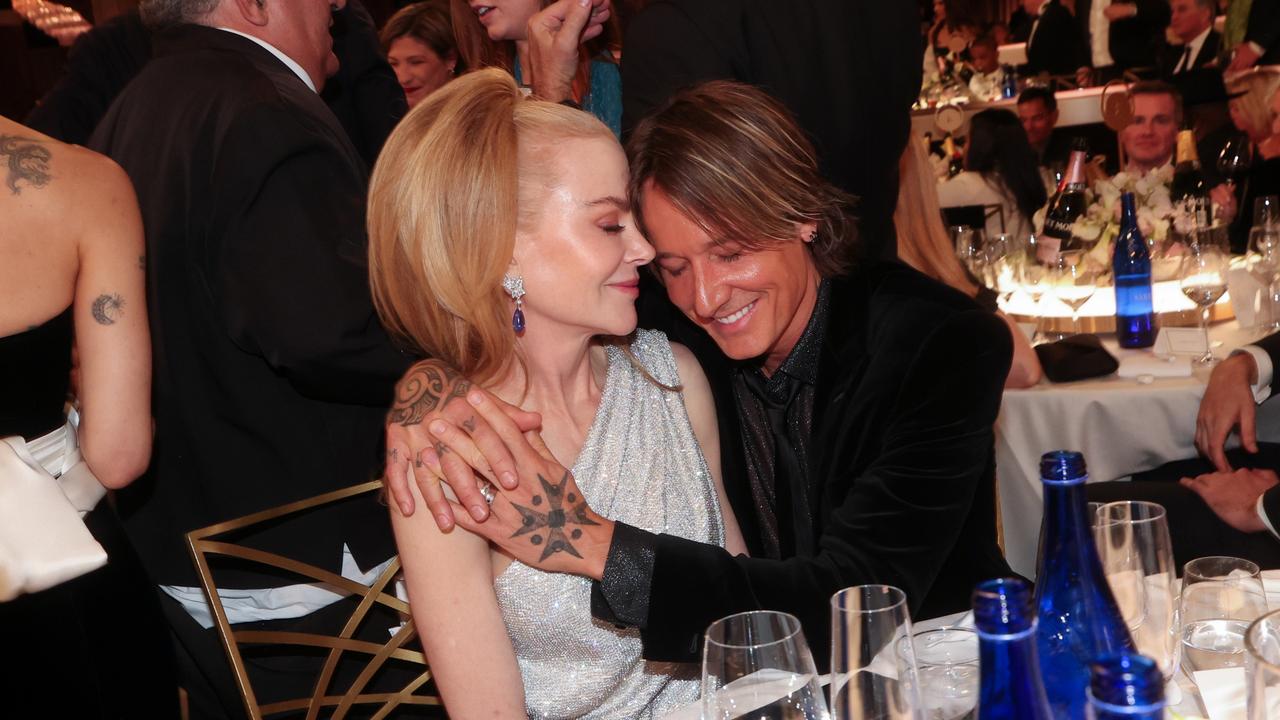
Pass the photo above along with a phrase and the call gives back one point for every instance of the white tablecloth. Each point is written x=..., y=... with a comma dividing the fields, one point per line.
x=1122, y=427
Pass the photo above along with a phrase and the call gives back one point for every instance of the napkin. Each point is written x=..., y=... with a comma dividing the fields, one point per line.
x=1132, y=366
x=1247, y=296
x=1222, y=692
x=1075, y=358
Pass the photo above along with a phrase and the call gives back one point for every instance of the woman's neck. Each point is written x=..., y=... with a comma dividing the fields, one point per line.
x=561, y=378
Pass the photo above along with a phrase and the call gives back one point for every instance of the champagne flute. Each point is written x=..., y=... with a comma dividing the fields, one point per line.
x=1136, y=552
x=1266, y=211
x=1263, y=263
x=1074, y=279
x=1202, y=276
x=1220, y=597
x=756, y=666
x=1031, y=276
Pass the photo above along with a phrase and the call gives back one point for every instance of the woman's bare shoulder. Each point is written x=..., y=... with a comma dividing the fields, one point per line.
x=39, y=171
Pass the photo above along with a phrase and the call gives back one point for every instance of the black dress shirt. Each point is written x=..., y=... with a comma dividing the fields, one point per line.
x=776, y=413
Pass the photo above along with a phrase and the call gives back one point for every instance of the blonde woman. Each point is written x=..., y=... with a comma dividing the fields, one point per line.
x=1252, y=93
x=923, y=244
x=502, y=242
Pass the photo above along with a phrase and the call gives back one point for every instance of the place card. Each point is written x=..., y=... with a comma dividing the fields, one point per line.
x=1223, y=693
x=1180, y=341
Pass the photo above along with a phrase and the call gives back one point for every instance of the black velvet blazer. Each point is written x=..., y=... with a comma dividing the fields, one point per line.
x=910, y=381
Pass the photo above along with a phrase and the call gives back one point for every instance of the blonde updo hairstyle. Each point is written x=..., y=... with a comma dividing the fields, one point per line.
x=460, y=175
x=1257, y=85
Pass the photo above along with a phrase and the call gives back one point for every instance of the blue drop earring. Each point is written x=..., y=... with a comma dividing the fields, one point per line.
x=514, y=285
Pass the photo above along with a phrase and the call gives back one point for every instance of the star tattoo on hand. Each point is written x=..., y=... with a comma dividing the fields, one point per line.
x=555, y=520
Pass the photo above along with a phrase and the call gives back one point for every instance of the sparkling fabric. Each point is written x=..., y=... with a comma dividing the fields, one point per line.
x=640, y=465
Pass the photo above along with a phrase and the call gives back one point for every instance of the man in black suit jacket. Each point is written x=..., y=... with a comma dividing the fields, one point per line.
x=847, y=69
x=1124, y=35
x=1056, y=45
x=272, y=372
x=1230, y=498
x=1199, y=44
x=856, y=408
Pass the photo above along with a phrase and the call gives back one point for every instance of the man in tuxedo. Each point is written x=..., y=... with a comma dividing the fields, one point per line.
x=1191, y=21
x=1152, y=133
x=272, y=372
x=1230, y=498
x=1121, y=34
x=848, y=69
x=1038, y=113
x=1056, y=45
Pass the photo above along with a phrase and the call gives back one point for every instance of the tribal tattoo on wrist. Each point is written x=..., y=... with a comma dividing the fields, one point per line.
x=27, y=160
x=564, y=508
x=428, y=387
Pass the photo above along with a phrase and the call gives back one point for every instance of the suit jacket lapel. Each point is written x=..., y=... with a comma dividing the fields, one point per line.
x=841, y=365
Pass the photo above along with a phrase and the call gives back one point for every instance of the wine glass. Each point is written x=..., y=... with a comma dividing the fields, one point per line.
x=757, y=665
x=947, y=665
x=1202, y=276
x=873, y=677
x=1137, y=556
x=970, y=248
x=1220, y=597
x=1262, y=667
x=1074, y=279
x=1235, y=159
x=1266, y=211
x=1002, y=265
x=1263, y=263
x=1032, y=276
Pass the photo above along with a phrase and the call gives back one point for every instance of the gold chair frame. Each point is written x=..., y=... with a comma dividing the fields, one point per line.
x=202, y=543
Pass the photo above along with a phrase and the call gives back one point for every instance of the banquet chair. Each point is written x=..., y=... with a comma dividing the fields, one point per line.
x=334, y=694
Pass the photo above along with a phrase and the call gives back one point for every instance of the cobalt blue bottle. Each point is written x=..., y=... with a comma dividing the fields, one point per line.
x=1006, y=624
x=1078, y=616
x=1131, y=268
x=1126, y=687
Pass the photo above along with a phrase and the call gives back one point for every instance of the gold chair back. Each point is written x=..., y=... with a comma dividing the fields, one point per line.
x=419, y=690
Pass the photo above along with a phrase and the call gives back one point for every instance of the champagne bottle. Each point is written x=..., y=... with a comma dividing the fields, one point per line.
x=1079, y=619
x=955, y=161
x=1189, y=191
x=1067, y=204
x=1131, y=270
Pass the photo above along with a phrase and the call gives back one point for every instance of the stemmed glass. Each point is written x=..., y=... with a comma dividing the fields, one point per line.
x=1220, y=597
x=756, y=666
x=1002, y=266
x=1262, y=667
x=970, y=248
x=1032, y=275
x=1137, y=556
x=1074, y=278
x=1266, y=211
x=873, y=673
x=1202, y=276
x=1263, y=263
x=1235, y=159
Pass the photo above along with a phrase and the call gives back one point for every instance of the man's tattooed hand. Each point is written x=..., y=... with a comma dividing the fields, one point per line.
x=428, y=387
x=564, y=508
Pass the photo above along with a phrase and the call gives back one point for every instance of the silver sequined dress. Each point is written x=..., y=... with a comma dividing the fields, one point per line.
x=640, y=465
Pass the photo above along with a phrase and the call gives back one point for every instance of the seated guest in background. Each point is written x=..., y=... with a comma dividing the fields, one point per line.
x=987, y=82
x=1232, y=512
x=953, y=26
x=1056, y=45
x=999, y=31
x=1121, y=34
x=500, y=635
x=924, y=244
x=1148, y=141
x=1252, y=94
x=999, y=169
x=418, y=41
x=859, y=397
x=1038, y=113
x=94, y=646
x=1191, y=22
x=498, y=35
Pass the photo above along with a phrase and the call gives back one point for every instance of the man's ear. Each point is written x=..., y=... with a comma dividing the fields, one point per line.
x=253, y=12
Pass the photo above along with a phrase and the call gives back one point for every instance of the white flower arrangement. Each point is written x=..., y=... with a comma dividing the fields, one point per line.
x=1100, y=222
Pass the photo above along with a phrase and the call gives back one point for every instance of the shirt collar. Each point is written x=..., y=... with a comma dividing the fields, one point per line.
x=288, y=61
x=1043, y=5
x=1197, y=42
x=802, y=362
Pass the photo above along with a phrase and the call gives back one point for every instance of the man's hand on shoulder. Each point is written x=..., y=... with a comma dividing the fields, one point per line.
x=433, y=402
x=1233, y=496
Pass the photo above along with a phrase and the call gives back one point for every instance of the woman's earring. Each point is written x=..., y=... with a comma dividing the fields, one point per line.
x=515, y=288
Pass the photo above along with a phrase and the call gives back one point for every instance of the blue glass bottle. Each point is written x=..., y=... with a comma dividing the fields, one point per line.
x=1078, y=616
x=1009, y=88
x=1131, y=267
x=1010, y=670
x=1126, y=687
